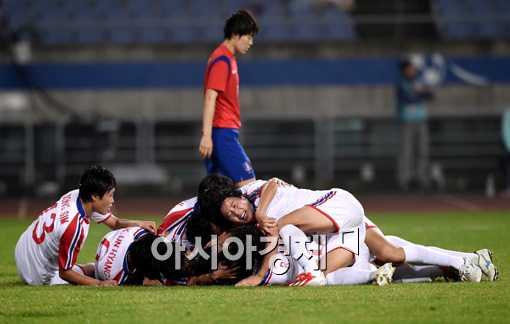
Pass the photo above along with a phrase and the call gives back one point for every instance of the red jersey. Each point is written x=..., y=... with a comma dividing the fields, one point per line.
x=222, y=75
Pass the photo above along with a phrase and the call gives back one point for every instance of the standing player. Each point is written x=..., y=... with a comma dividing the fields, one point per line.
x=48, y=249
x=221, y=122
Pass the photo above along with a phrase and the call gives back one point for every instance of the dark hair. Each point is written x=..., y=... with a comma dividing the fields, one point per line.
x=198, y=226
x=171, y=269
x=212, y=190
x=240, y=23
x=140, y=260
x=242, y=232
x=215, y=181
x=95, y=180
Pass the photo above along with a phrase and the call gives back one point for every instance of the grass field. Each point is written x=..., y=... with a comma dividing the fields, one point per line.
x=422, y=302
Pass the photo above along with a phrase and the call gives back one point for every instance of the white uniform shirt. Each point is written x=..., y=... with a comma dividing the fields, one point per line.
x=111, y=262
x=54, y=240
x=176, y=222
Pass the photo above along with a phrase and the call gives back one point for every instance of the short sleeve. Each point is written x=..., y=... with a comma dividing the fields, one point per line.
x=218, y=76
x=70, y=244
x=99, y=218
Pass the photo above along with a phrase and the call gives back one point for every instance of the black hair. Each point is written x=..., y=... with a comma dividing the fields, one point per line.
x=178, y=266
x=212, y=190
x=95, y=180
x=214, y=181
x=240, y=23
x=242, y=232
x=198, y=226
x=140, y=260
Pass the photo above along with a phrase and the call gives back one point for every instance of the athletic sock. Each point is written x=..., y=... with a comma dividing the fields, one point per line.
x=295, y=242
x=424, y=255
x=349, y=276
x=472, y=256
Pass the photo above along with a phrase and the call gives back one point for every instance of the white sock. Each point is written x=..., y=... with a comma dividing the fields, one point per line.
x=472, y=256
x=407, y=271
x=424, y=255
x=349, y=276
x=295, y=242
x=398, y=241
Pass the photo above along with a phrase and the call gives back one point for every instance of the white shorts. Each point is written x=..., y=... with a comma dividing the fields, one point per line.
x=342, y=208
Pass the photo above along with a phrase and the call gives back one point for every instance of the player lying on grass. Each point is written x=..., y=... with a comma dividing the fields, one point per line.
x=127, y=256
x=47, y=251
x=330, y=211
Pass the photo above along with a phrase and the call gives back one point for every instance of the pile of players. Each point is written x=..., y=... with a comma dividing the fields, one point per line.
x=258, y=234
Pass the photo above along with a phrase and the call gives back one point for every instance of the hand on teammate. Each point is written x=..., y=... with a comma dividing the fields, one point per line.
x=266, y=224
x=206, y=147
x=107, y=283
x=148, y=225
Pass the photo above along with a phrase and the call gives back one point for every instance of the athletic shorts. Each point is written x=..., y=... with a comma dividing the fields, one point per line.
x=228, y=156
x=342, y=208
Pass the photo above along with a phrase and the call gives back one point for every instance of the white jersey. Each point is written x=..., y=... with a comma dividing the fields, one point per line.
x=176, y=221
x=53, y=240
x=111, y=262
x=340, y=206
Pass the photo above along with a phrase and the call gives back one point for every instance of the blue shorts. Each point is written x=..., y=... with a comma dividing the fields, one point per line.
x=228, y=156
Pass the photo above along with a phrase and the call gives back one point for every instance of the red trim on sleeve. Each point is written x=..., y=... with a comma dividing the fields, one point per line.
x=104, y=220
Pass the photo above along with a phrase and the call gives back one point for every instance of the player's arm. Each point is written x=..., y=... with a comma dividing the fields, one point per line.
x=116, y=223
x=268, y=191
x=76, y=278
x=256, y=279
x=206, y=144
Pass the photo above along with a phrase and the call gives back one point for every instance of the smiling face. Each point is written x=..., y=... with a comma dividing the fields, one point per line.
x=237, y=210
x=102, y=205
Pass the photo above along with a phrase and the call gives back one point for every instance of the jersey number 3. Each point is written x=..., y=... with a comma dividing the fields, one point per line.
x=45, y=229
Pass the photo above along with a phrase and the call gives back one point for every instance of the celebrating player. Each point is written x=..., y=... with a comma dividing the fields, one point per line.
x=47, y=251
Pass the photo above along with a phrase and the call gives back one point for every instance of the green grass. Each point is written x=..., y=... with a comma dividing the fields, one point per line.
x=422, y=302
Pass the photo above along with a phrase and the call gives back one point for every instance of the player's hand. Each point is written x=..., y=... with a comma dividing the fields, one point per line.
x=251, y=281
x=225, y=272
x=107, y=283
x=206, y=147
x=151, y=282
x=265, y=223
x=148, y=225
x=280, y=182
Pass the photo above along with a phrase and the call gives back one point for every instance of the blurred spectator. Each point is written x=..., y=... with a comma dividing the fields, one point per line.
x=505, y=160
x=413, y=160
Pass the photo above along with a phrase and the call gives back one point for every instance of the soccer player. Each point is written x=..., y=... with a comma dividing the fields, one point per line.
x=319, y=211
x=329, y=211
x=48, y=249
x=219, y=145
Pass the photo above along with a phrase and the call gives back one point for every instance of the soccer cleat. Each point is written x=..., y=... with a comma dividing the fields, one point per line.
x=383, y=276
x=469, y=271
x=309, y=279
x=486, y=265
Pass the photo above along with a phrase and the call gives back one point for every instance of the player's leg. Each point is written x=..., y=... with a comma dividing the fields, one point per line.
x=299, y=247
x=419, y=254
x=383, y=249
